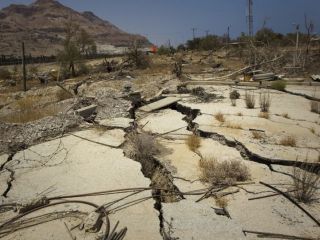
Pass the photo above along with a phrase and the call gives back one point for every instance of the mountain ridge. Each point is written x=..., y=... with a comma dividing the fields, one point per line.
x=40, y=26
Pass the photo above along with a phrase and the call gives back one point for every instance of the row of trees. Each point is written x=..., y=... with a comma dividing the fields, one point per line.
x=265, y=36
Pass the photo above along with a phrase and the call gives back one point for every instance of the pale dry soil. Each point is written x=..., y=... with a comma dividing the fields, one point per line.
x=93, y=160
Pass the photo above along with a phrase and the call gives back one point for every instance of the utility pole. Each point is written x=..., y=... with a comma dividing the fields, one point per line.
x=295, y=59
x=250, y=18
x=228, y=34
x=194, y=32
x=24, y=69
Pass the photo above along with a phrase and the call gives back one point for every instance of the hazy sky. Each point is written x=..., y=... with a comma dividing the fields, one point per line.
x=161, y=20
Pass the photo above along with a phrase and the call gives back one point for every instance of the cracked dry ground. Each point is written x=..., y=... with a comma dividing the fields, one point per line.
x=93, y=161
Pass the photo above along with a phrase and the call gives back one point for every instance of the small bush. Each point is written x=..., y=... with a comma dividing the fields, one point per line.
x=312, y=130
x=4, y=74
x=63, y=95
x=279, y=85
x=264, y=115
x=240, y=114
x=221, y=202
x=83, y=69
x=289, y=141
x=137, y=58
x=285, y=115
x=234, y=94
x=305, y=184
x=219, y=117
x=256, y=135
x=193, y=142
x=315, y=106
x=265, y=101
x=250, y=100
x=201, y=93
x=33, y=70
x=224, y=173
x=141, y=147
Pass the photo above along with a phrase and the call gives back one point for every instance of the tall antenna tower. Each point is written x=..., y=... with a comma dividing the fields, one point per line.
x=250, y=18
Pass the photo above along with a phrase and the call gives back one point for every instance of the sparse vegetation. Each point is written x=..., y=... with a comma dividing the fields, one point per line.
x=221, y=202
x=289, y=141
x=5, y=74
x=279, y=85
x=83, y=69
x=62, y=95
x=315, y=106
x=233, y=125
x=234, y=95
x=264, y=115
x=219, y=117
x=201, y=93
x=141, y=146
x=250, y=99
x=306, y=183
x=285, y=115
x=312, y=130
x=256, y=135
x=265, y=101
x=137, y=58
x=193, y=142
x=223, y=173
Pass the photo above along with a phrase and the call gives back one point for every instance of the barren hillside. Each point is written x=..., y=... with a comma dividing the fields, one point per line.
x=41, y=23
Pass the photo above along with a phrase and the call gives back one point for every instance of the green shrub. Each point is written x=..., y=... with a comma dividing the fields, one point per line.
x=279, y=85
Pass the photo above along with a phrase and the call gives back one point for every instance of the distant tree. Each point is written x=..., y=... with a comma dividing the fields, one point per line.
x=86, y=43
x=268, y=36
x=210, y=42
x=77, y=43
x=181, y=47
x=71, y=52
x=164, y=50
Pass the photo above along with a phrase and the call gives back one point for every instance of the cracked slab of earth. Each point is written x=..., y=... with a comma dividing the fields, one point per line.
x=93, y=160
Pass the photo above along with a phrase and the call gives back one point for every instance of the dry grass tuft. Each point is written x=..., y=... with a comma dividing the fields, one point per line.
x=193, y=142
x=29, y=115
x=250, y=100
x=240, y=114
x=265, y=101
x=28, y=103
x=289, y=141
x=219, y=117
x=141, y=146
x=305, y=184
x=221, y=202
x=224, y=173
x=233, y=125
x=257, y=135
x=285, y=115
x=63, y=95
x=264, y=115
x=315, y=106
x=312, y=130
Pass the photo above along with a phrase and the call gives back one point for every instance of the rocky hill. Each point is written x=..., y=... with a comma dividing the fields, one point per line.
x=41, y=26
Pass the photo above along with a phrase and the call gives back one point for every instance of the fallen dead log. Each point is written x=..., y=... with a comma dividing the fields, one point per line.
x=64, y=89
x=276, y=235
x=267, y=196
x=240, y=71
x=287, y=196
